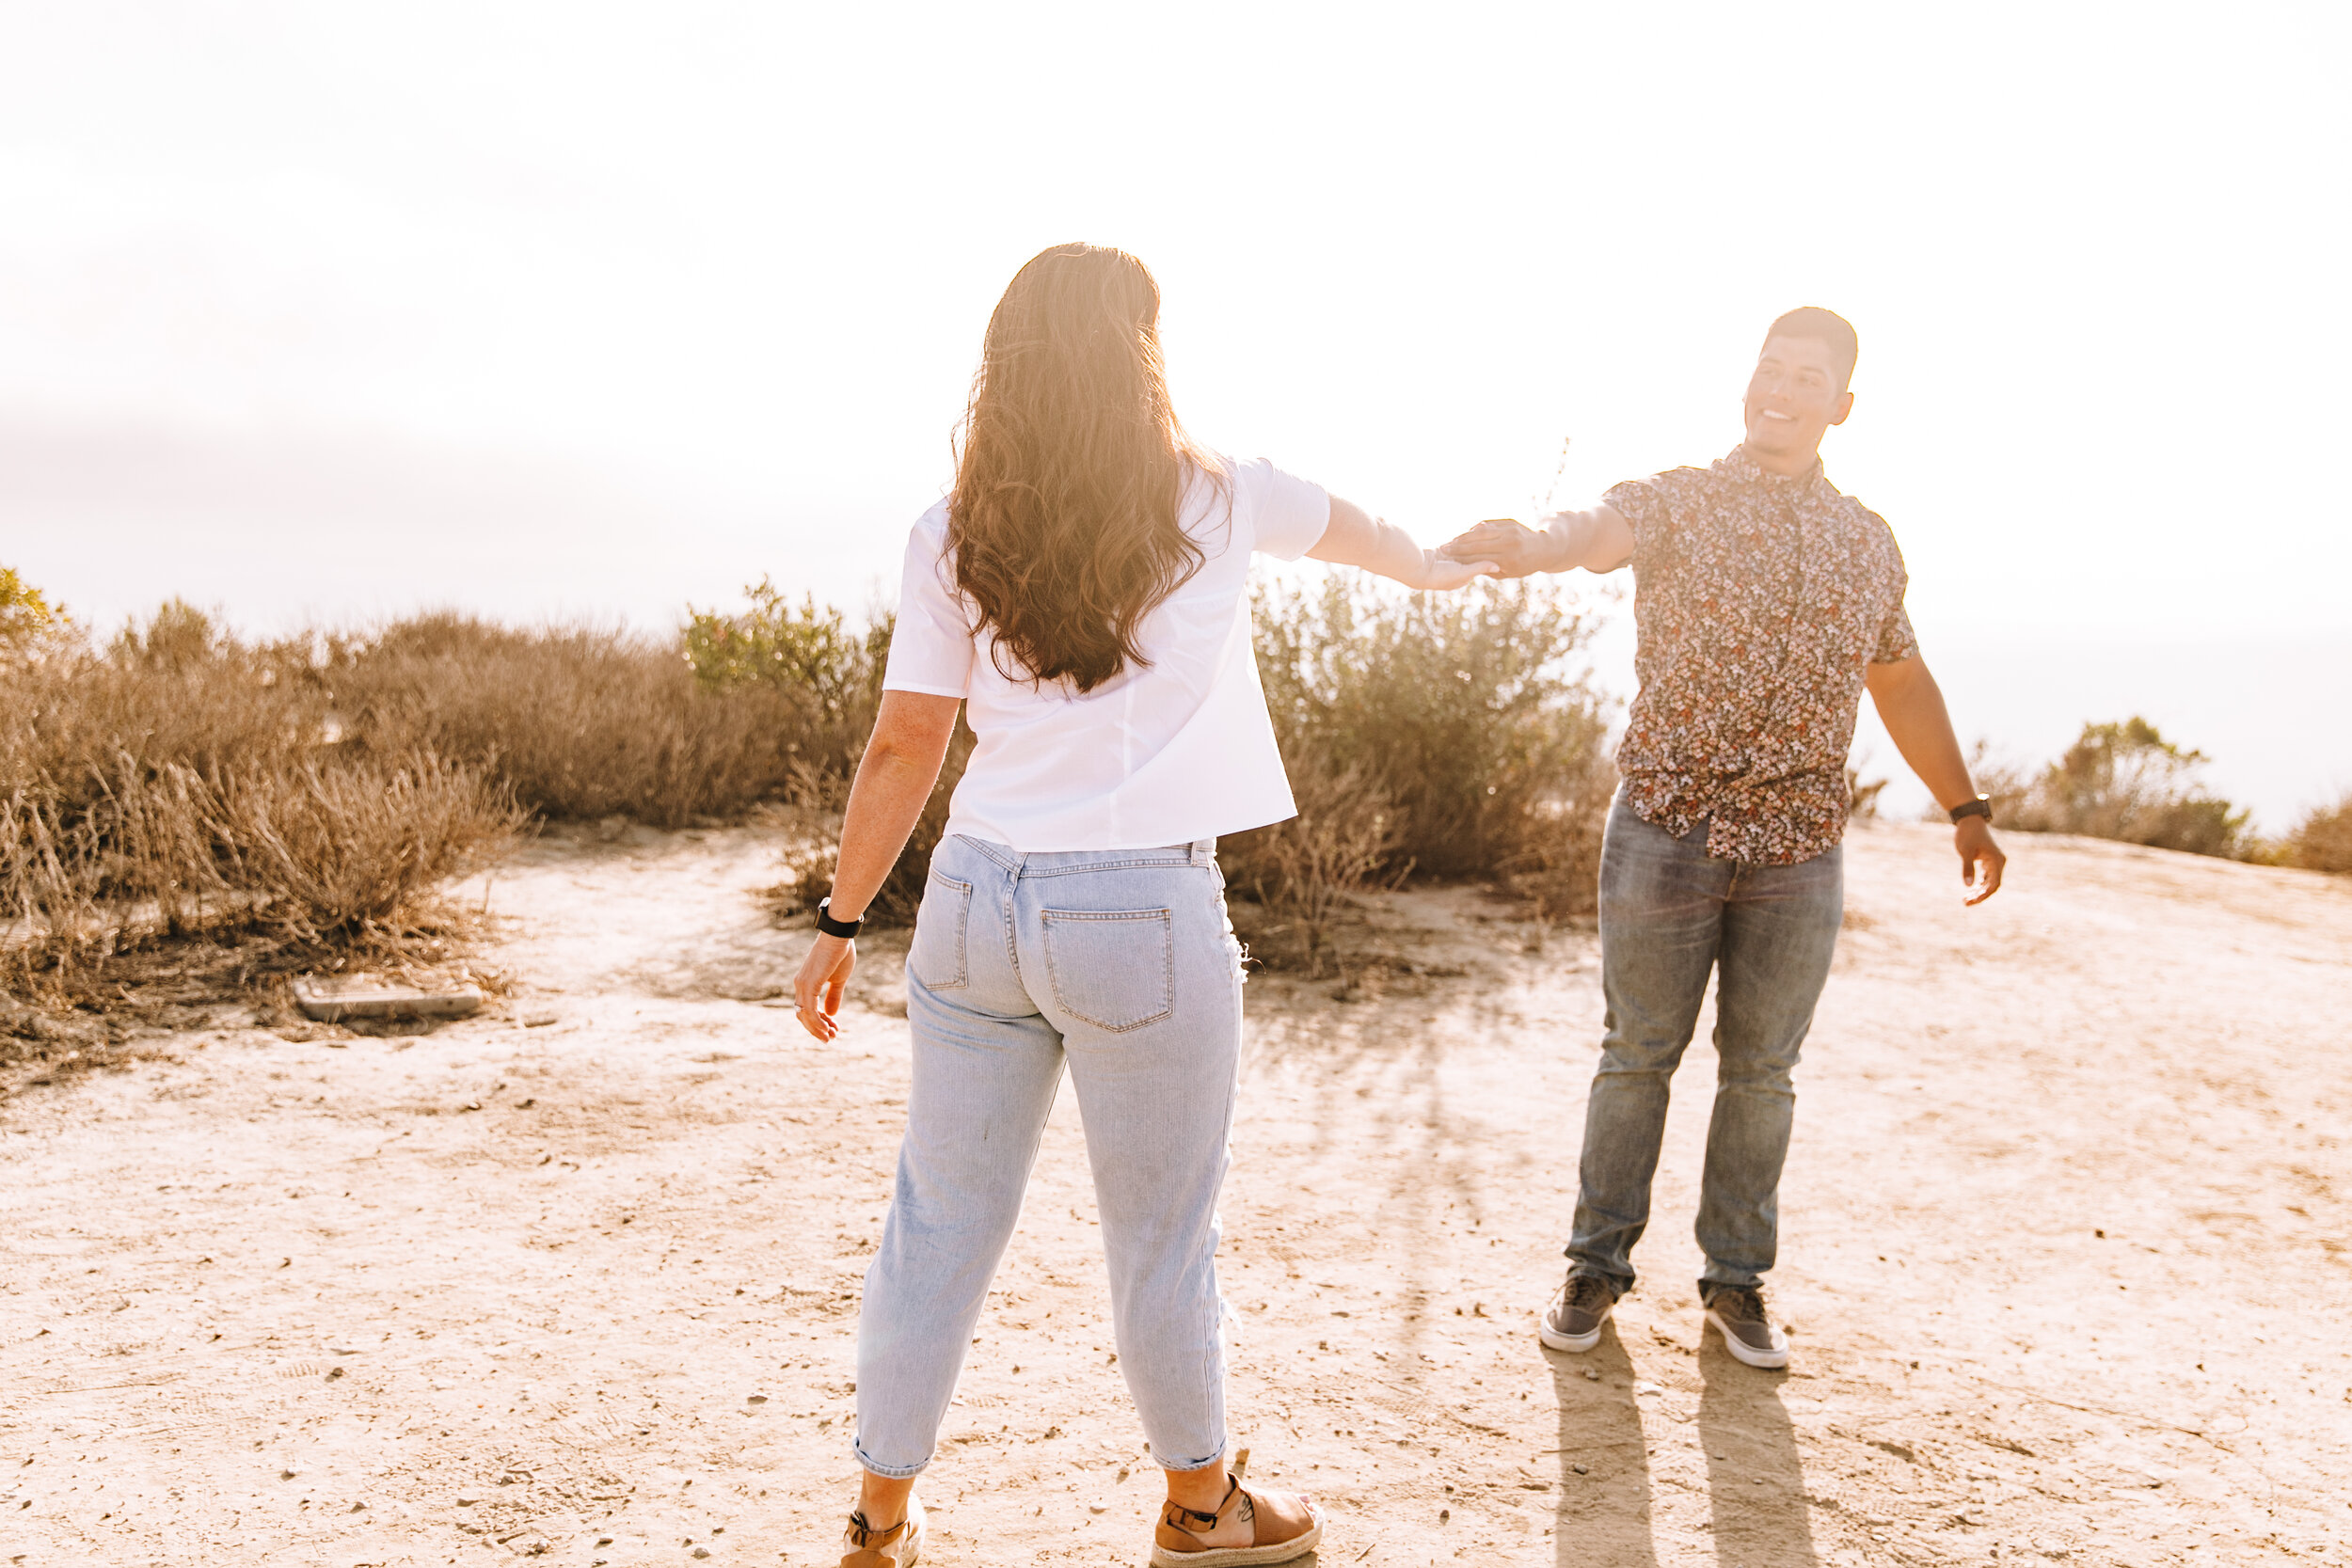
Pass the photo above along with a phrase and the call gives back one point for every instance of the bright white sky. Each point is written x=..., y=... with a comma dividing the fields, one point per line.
x=329, y=311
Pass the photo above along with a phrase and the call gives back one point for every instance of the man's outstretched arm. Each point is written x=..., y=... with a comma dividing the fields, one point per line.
x=1599, y=539
x=1911, y=705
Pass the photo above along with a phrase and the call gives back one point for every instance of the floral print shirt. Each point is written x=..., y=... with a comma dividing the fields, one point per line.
x=1760, y=601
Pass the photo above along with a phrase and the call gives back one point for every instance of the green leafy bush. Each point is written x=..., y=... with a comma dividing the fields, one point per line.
x=835, y=674
x=2124, y=781
x=1441, y=736
x=30, y=625
x=1434, y=736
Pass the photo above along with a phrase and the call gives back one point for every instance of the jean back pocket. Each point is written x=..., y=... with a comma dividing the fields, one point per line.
x=936, y=956
x=1114, y=969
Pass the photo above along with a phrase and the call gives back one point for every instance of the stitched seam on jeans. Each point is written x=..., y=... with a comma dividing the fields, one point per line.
x=1046, y=919
x=990, y=850
x=1183, y=859
x=964, y=923
x=1161, y=915
x=1012, y=928
x=1214, y=1368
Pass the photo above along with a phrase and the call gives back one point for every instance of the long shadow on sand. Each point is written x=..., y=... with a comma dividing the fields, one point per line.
x=1755, y=1478
x=1604, y=1515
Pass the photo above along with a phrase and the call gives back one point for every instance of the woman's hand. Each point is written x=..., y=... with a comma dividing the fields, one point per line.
x=1354, y=537
x=894, y=779
x=823, y=974
x=1441, y=574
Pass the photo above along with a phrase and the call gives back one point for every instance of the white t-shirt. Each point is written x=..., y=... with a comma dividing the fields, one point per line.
x=1168, y=752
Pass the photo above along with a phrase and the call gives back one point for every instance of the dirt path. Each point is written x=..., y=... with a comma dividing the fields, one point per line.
x=2065, y=1253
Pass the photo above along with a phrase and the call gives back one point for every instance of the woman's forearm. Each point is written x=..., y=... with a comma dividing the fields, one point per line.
x=894, y=780
x=1355, y=537
x=1392, y=553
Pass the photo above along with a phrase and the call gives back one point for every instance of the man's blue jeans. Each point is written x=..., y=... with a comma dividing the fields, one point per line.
x=1669, y=915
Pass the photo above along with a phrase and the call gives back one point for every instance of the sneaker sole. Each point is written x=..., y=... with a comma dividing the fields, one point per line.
x=1241, y=1557
x=1575, y=1344
x=1770, y=1360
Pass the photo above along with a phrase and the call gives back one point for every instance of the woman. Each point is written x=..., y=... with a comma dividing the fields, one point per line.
x=1084, y=592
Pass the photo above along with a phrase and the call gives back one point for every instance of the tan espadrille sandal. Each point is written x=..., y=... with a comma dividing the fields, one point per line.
x=865, y=1547
x=1284, y=1526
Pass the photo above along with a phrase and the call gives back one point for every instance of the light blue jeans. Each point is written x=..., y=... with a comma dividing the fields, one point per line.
x=1123, y=962
x=1670, y=915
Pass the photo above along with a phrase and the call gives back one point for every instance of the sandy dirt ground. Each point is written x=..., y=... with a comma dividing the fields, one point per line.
x=2065, y=1254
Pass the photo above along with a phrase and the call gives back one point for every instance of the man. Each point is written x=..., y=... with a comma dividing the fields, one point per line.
x=1767, y=601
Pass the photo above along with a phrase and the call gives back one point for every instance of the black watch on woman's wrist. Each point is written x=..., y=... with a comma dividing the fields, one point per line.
x=1980, y=806
x=832, y=927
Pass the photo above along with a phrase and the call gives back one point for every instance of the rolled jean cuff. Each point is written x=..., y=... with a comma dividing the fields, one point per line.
x=1622, y=1279
x=1722, y=1278
x=1166, y=1464
x=889, y=1472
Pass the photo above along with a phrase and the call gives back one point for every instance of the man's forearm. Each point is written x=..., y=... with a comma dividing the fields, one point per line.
x=1911, y=705
x=1568, y=534
x=1597, y=540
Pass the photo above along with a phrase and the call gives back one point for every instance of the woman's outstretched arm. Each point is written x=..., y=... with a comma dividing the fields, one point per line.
x=1354, y=537
x=893, y=780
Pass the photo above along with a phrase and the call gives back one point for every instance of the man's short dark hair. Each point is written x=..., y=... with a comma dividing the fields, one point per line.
x=1823, y=327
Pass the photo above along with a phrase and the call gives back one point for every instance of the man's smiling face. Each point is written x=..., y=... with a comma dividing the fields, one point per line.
x=1798, y=392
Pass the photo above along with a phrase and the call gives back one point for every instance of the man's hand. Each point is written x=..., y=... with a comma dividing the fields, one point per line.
x=1910, y=705
x=1514, y=550
x=1973, y=838
x=823, y=974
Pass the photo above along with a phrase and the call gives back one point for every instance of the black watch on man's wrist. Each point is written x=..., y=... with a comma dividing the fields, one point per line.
x=1980, y=806
x=832, y=927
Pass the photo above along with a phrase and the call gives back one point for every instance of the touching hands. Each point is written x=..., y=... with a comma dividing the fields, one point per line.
x=1442, y=574
x=1512, y=549
x=1354, y=537
x=823, y=974
x=1973, y=838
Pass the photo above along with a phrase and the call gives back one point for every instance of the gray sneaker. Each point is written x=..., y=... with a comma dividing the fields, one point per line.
x=1737, y=1313
x=1572, y=1322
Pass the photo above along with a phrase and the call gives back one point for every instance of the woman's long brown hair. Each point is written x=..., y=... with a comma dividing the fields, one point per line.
x=1064, y=523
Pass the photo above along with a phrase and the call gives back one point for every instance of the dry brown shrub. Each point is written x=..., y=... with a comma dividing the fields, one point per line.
x=1303, y=874
x=2323, y=841
x=180, y=788
x=1558, y=869
x=323, y=851
x=578, y=722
